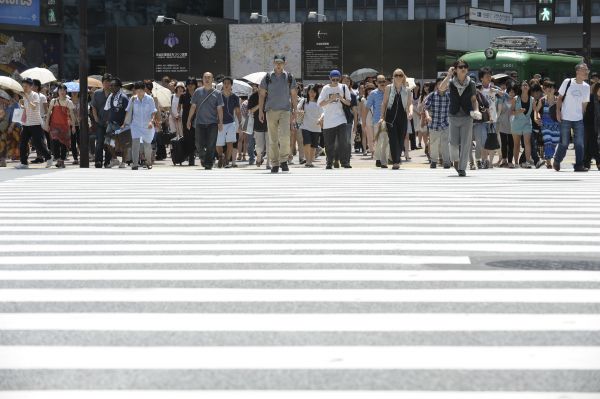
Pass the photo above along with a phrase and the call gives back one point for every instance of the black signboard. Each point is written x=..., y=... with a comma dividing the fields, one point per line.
x=323, y=49
x=209, y=47
x=362, y=46
x=135, y=60
x=171, y=51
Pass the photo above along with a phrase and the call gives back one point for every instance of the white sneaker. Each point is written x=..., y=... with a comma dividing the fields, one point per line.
x=114, y=163
x=122, y=165
x=49, y=163
x=22, y=166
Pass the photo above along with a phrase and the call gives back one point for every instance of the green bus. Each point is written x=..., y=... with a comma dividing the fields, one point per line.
x=522, y=54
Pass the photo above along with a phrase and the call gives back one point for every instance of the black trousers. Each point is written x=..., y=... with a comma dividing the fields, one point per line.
x=100, y=148
x=189, y=140
x=507, y=146
x=396, y=136
x=332, y=135
x=590, y=145
x=36, y=135
x=59, y=150
x=75, y=144
x=206, y=143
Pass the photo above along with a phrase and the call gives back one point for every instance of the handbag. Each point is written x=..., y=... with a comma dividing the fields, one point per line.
x=347, y=109
x=249, y=124
x=491, y=141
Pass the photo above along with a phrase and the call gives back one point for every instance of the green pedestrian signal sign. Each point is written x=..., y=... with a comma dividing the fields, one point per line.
x=545, y=11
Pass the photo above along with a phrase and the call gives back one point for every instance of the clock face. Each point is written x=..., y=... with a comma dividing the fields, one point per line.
x=208, y=39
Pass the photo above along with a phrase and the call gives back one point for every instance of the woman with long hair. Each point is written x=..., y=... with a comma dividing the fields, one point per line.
x=522, y=108
x=367, y=123
x=311, y=114
x=61, y=123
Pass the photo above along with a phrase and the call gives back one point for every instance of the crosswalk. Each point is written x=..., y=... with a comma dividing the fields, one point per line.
x=412, y=284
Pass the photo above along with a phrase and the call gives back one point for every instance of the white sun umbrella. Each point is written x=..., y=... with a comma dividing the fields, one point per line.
x=4, y=95
x=239, y=88
x=42, y=74
x=255, y=77
x=7, y=83
x=162, y=94
x=411, y=83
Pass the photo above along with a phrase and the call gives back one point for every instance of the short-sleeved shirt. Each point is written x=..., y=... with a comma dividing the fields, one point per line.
x=278, y=91
x=32, y=115
x=230, y=103
x=438, y=104
x=142, y=114
x=186, y=102
x=572, y=106
x=258, y=125
x=98, y=102
x=374, y=102
x=116, y=106
x=43, y=101
x=207, y=102
x=333, y=113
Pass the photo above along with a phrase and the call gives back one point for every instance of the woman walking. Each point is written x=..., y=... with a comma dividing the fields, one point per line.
x=396, y=111
x=522, y=108
x=60, y=125
x=311, y=129
x=550, y=127
x=141, y=111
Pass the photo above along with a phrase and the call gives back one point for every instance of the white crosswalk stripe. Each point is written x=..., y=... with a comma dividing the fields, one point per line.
x=353, y=284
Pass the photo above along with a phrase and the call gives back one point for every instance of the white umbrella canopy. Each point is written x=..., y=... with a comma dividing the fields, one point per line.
x=362, y=74
x=239, y=88
x=41, y=74
x=162, y=94
x=255, y=77
x=4, y=95
x=7, y=83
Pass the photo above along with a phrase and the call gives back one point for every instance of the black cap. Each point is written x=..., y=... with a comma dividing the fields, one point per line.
x=279, y=58
x=28, y=81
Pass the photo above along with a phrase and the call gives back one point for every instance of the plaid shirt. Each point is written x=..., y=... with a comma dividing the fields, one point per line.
x=438, y=104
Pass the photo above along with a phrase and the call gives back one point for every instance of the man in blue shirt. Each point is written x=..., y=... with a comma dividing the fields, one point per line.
x=231, y=129
x=374, y=102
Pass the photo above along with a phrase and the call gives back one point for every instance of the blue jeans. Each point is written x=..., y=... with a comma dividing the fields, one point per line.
x=565, y=136
x=251, y=147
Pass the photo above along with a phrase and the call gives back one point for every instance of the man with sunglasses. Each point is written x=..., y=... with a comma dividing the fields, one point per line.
x=463, y=109
x=374, y=102
x=331, y=99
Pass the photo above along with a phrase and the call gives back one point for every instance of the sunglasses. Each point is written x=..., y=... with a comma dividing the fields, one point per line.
x=461, y=66
x=399, y=76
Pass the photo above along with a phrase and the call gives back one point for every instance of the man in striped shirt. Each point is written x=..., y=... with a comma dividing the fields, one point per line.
x=32, y=127
x=436, y=113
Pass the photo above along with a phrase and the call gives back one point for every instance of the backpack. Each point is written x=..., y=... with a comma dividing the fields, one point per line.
x=290, y=79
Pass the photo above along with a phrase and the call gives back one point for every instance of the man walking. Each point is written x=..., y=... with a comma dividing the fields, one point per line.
x=207, y=104
x=574, y=96
x=99, y=114
x=228, y=135
x=374, y=102
x=332, y=99
x=32, y=127
x=278, y=97
x=436, y=113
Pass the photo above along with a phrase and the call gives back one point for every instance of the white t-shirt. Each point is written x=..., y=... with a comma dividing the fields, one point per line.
x=578, y=93
x=33, y=116
x=333, y=112
x=490, y=96
x=43, y=101
x=312, y=113
x=174, y=105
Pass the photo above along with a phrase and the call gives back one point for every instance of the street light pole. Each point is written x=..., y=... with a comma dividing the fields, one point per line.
x=83, y=87
x=587, y=32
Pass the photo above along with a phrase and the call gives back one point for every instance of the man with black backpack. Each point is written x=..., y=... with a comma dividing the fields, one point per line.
x=278, y=97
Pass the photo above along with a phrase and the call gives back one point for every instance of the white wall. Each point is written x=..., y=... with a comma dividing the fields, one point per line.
x=463, y=37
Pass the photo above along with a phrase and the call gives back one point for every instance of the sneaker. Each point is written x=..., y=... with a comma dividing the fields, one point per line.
x=528, y=165
x=251, y=162
x=329, y=166
x=396, y=167
x=462, y=173
x=556, y=166
x=485, y=165
x=383, y=166
x=540, y=163
x=22, y=166
x=472, y=166
x=49, y=163
x=433, y=165
x=122, y=165
x=38, y=160
x=228, y=166
x=447, y=166
x=290, y=162
x=479, y=165
x=134, y=168
x=581, y=169
x=378, y=164
x=347, y=166
x=114, y=162
x=98, y=165
x=275, y=169
x=302, y=161
x=284, y=167
x=208, y=167
x=149, y=167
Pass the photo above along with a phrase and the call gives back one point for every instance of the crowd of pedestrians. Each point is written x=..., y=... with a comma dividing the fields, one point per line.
x=465, y=120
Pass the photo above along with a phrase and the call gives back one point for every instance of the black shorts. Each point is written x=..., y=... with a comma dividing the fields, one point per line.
x=311, y=138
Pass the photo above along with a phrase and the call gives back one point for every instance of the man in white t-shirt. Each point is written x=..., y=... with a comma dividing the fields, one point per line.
x=32, y=127
x=574, y=95
x=331, y=99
